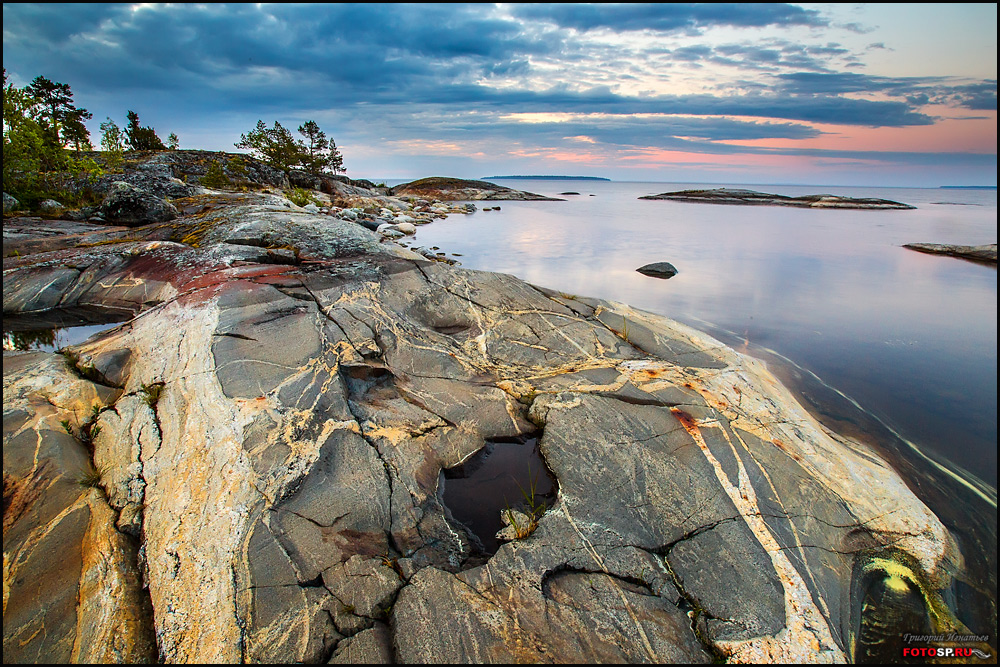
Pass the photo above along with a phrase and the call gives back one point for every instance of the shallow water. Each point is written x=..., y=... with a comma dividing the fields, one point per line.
x=503, y=475
x=54, y=330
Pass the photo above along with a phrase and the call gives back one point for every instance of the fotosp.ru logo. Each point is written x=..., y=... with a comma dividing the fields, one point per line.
x=942, y=652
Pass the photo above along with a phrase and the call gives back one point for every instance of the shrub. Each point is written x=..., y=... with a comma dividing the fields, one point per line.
x=216, y=178
x=300, y=197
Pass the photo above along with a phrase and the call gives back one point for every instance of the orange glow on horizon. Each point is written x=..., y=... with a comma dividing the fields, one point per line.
x=959, y=132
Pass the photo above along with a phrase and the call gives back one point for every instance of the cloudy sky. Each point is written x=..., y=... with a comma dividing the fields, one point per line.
x=812, y=94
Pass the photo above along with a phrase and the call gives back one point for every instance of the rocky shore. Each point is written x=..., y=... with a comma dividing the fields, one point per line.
x=753, y=198
x=249, y=467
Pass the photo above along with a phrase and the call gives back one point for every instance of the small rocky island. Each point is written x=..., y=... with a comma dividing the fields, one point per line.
x=249, y=464
x=458, y=189
x=753, y=198
x=986, y=254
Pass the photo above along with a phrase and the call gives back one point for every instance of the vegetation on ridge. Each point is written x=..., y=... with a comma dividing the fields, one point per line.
x=277, y=148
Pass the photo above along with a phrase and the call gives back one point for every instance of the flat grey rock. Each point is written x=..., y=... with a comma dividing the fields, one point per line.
x=979, y=253
x=753, y=198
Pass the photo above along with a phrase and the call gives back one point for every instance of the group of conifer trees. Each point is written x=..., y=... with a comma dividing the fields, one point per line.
x=44, y=134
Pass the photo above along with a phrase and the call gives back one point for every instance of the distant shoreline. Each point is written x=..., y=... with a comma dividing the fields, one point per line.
x=968, y=187
x=545, y=178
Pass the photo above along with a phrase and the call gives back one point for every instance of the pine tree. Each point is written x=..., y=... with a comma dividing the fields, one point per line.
x=322, y=153
x=141, y=138
x=275, y=146
x=60, y=119
x=316, y=144
x=278, y=148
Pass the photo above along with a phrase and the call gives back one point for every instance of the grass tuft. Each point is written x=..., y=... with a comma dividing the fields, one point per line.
x=92, y=477
x=151, y=393
x=534, y=505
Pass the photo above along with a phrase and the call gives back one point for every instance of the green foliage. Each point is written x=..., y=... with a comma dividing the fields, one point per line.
x=84, y=166
x=274, y=146
x=38, y=121
x=113, y=144
x=533, y=504
x=279, y=149
x=173, y=143
x=152, y=393
x=237, y=166
x=141, y=138
x=320, y=153
x=300, y=197
x=29, y=340
x=26, y=152
x=61, y=120
x=216, y=178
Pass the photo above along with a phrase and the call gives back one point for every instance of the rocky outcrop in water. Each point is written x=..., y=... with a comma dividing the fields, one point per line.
x=661, y=270
x=457, y=189
x=979, y=253
x=250, y=467
x=752, y=198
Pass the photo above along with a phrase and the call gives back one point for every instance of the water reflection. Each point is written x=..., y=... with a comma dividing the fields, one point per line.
x=54, y=330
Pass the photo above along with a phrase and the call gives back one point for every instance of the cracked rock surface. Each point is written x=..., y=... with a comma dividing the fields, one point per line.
x=266, y=441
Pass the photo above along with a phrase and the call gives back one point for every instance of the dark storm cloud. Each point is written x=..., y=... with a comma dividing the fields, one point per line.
x=265, y=59
x=175, y=45
x=669, y=17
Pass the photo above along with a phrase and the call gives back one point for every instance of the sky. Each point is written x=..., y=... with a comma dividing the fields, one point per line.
x=836, y=94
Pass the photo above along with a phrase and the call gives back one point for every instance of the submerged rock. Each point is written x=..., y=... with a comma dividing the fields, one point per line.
x=978, y=253
x=753, y=198
x=270, y=438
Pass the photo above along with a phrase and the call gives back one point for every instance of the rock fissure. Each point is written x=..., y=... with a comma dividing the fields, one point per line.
x=696, y=614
